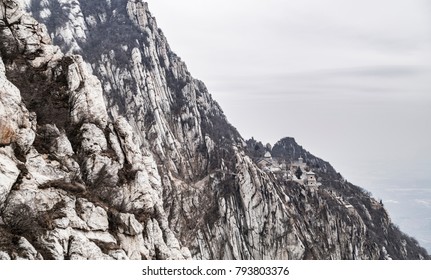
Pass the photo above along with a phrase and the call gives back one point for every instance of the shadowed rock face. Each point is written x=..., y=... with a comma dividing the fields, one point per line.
x=110, y=149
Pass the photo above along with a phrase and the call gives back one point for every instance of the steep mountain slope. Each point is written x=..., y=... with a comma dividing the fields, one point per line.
x=116, y=151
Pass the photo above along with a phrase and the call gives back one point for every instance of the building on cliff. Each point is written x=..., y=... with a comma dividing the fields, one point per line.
x=302, y=174
x=268, y=164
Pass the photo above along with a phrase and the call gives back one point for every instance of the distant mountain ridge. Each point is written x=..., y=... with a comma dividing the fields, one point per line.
x=110, y=149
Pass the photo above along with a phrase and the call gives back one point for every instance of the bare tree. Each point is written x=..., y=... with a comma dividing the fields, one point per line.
x=21, y=220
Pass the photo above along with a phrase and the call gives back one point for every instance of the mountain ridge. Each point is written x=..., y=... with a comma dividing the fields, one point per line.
x=122, y=154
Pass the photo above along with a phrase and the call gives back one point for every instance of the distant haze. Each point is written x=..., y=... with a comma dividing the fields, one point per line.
x=350, y=80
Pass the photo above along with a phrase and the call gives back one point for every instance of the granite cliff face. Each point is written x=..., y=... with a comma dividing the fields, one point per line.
x=110, y=149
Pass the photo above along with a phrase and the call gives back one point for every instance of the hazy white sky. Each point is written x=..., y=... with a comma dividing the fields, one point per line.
x=349, y=79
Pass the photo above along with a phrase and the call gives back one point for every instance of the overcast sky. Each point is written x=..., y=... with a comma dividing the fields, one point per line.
x=349, y=79
x=334, y=74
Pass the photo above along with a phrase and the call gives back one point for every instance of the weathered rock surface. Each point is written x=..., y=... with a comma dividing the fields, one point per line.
x=110, y=149
x=63, y=168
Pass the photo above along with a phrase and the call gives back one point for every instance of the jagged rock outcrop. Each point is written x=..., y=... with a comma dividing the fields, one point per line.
x=59, y=168
x=110, y=149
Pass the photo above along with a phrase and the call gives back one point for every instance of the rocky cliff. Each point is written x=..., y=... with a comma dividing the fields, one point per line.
x=110, y=149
